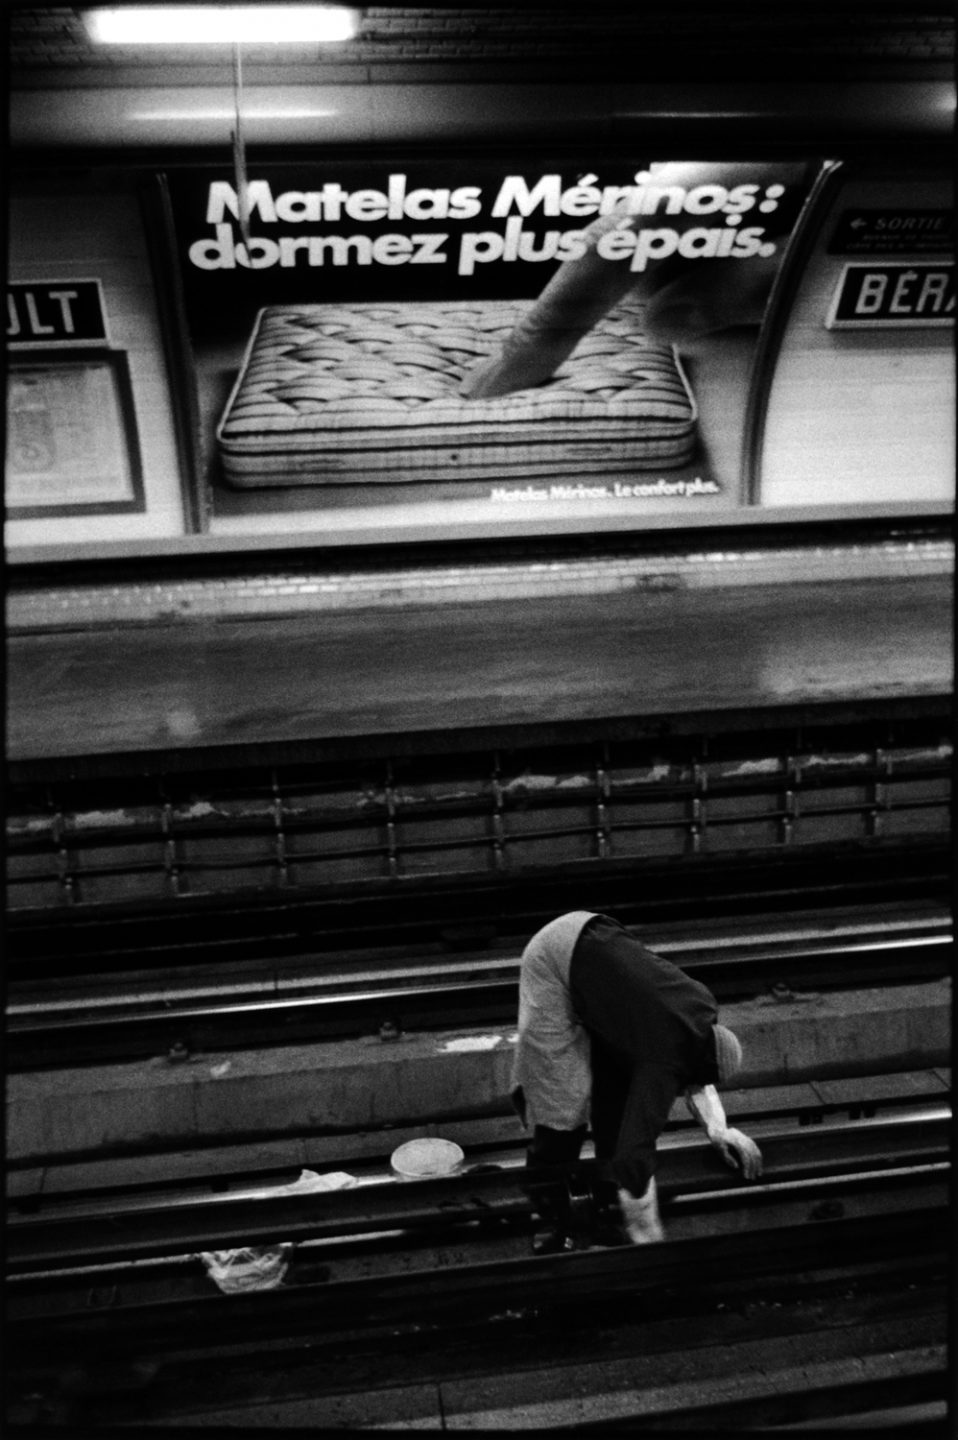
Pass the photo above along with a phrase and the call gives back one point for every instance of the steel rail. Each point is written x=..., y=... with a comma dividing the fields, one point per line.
x=58, y=1236
x=477, y=991
x=503, y=1232
x=201, y=928
x=898, y=1247
x=727, y=955
x=695, y=933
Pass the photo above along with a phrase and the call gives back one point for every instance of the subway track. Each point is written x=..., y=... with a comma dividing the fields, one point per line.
x=269, y=1001
x=425, y=1295
x=72, y=1230
x=449, y=916
x=817, y=1297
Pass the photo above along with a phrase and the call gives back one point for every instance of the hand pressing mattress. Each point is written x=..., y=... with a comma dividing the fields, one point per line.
x=348, y=394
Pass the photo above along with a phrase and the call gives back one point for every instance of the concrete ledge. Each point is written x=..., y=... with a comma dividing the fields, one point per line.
x=366, y=1150
x=366, y=1084
x=843, y=1033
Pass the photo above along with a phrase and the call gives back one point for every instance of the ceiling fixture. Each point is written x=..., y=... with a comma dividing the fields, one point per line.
x=221, y=24
x=232, y=25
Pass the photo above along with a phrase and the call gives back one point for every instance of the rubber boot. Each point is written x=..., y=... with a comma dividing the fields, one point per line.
x=643, y=1224
x=556, y=1151
x=551, y=1204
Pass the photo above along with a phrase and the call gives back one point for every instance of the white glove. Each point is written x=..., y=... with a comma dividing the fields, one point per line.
x=737, y=1150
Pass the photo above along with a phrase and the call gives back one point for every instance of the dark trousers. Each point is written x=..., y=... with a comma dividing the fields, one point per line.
x=631, y=1100
x=613, y=1082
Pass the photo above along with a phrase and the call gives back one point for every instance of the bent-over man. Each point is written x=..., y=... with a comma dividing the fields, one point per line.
x=613, y=1033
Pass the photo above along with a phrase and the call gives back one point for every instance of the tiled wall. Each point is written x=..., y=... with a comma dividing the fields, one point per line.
x=862, y=415
x=305, y=589
x=65, y=234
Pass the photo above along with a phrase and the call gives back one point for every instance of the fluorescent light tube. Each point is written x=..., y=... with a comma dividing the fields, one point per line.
x=221, y=24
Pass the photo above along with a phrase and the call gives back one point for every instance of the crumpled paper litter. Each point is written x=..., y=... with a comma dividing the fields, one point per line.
x=264, y=1267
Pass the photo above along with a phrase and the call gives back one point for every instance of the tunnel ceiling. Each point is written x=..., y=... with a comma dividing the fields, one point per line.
x=48, y=45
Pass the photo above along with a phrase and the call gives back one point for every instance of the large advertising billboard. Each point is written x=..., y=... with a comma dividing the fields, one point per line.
x=460, y=335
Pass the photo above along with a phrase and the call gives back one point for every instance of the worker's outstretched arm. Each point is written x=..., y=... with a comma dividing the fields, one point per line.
x=735, y=1148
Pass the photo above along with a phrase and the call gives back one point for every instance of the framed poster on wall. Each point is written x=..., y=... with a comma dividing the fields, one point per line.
x=469, y=342
x=72, y=444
